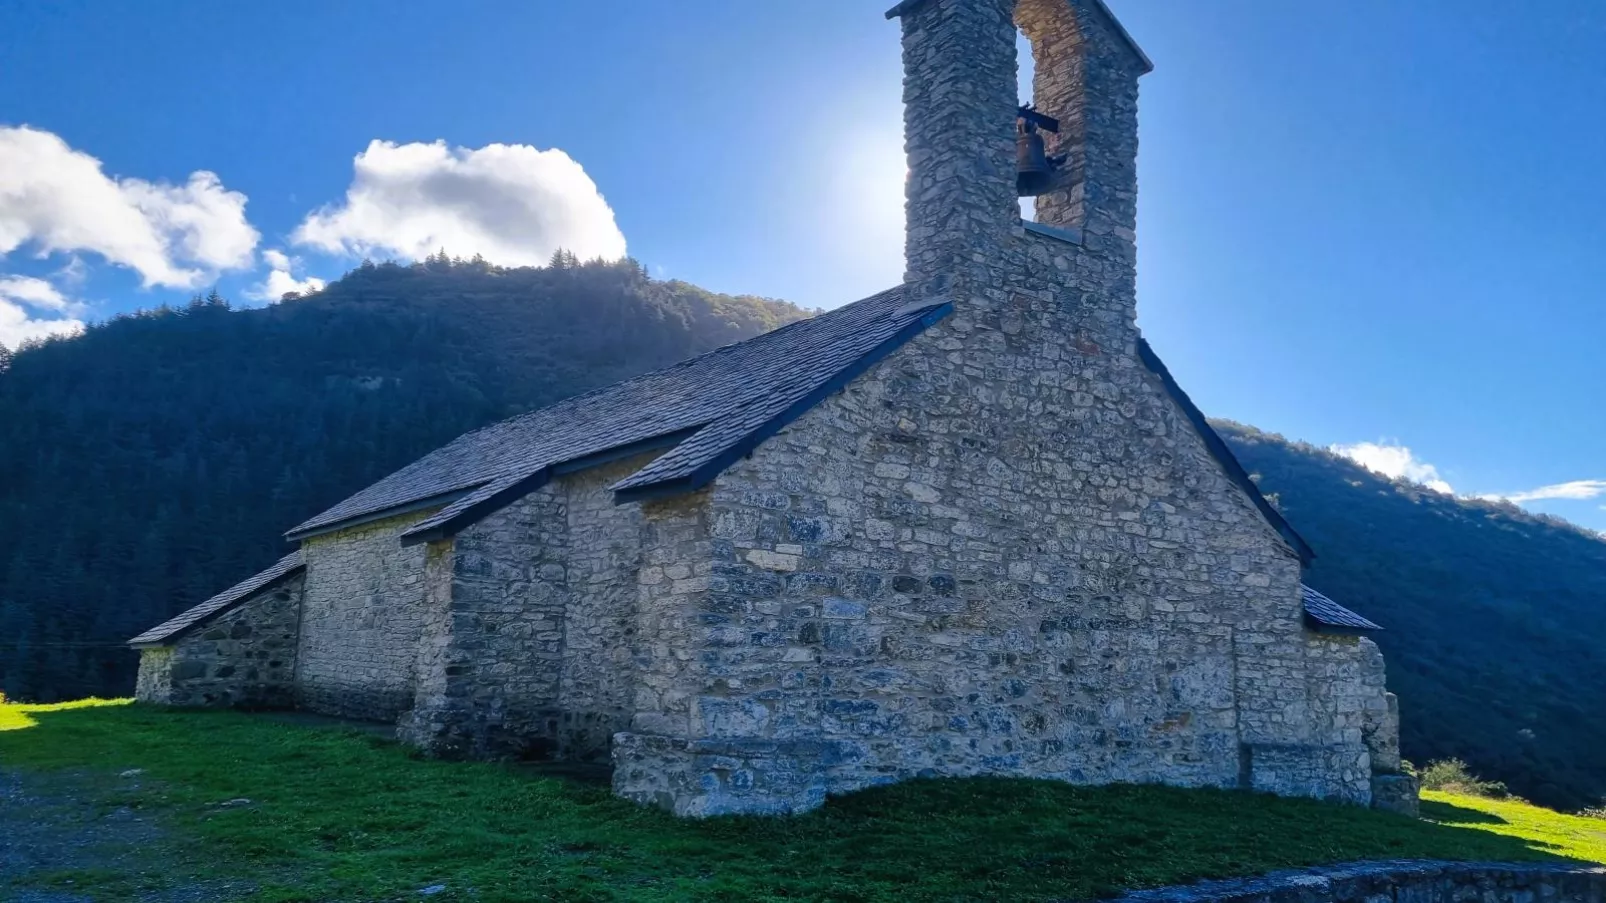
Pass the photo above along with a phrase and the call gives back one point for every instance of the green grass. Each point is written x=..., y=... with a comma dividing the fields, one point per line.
x=339, y=815
x=1573, y=836
x=15, y=716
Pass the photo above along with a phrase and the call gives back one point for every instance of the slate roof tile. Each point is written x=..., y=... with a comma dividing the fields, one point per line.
x=709, y=408
x=1327, y=613
x=715, y=393
x=176, y=626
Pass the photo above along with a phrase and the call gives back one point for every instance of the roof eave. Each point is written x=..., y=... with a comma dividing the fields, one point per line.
x=302, y=532
x=1317, y=625
x=483, y=508
x=1223, y=454
x=501, y=499
x=653, y=491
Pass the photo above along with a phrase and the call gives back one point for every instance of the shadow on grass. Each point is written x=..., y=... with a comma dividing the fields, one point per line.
x=1460, y=815
x=381, y=729
x=360, y=817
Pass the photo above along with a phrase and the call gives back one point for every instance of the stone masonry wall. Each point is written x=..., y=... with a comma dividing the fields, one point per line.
x=529, y=653
x=1004, y=549
x=244, y=657
x=926, y=586
x=671, y=607
x=1416, y=881
x=1348, y=693
x=488, y=684
x=154, y=683
x=435, y=669
x=363, y=615
x=596, y=695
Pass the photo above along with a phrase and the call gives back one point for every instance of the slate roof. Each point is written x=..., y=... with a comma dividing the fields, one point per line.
x=708, y=411
x=1323, y=612
x=709, y=404
x=173, y=628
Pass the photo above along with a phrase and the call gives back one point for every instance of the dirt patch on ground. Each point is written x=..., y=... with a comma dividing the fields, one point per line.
x=64, y=838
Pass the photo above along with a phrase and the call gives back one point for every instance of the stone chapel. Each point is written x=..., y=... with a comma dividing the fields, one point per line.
x=969, y=525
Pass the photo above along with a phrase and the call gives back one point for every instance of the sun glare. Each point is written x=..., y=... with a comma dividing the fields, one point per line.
x=866, y=180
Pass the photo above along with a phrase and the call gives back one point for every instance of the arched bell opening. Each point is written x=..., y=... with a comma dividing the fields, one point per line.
x=1048, y=131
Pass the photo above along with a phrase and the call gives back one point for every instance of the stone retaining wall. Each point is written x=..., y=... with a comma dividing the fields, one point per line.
x=1404, y=881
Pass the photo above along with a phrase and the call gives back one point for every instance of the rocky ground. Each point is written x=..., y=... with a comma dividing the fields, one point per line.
x=55, y=833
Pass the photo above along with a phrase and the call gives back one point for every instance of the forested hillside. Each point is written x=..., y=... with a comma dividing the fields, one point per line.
x=156, y=459
x=1494, y=631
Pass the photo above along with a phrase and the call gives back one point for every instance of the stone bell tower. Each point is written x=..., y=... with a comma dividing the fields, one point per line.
x=960, y=130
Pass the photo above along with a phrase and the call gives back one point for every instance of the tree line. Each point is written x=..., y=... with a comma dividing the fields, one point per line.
x=158, y=457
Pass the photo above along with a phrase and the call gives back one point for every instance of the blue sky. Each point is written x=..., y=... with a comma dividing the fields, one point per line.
x=1371, y=222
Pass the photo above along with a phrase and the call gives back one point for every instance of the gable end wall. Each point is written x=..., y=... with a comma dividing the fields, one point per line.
x=1002, y=550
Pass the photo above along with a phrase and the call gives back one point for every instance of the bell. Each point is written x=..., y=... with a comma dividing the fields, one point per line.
x=1033, y=171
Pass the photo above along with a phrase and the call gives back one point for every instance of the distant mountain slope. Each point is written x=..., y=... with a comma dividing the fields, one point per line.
x=157, y=458
x=1496, y=618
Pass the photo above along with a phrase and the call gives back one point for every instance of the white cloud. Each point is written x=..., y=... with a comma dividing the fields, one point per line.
x=1577, y=490
x=21, y=297
x=1394, y=461
x=281, y=279
x=32, y=292
x=513, y=204
x=58, y=199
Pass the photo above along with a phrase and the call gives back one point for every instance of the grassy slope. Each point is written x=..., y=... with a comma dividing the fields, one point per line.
x=341, y=815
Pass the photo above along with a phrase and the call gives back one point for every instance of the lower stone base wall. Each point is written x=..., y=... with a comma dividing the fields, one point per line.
x=760, y=777
x=155, y=681
x=1323, y=772
x=362, y=701
x=244, y=657
x=227, y=665
x=1396, y=793
x=723, y=777
x=1404, y=880
x=453, y=732
x=587, y=736
x=489, y=732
